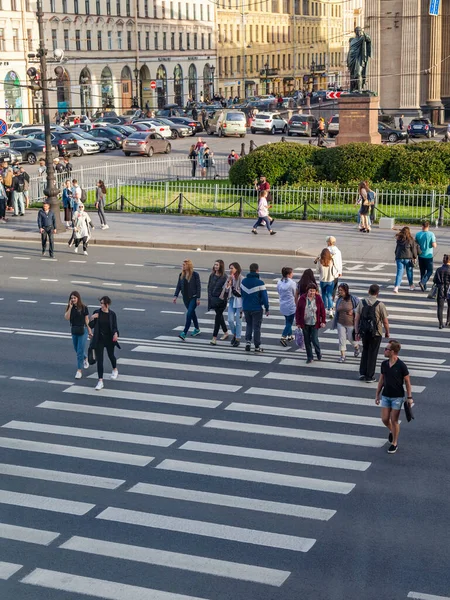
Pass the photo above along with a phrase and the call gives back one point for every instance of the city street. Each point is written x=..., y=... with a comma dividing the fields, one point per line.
x=210, y=473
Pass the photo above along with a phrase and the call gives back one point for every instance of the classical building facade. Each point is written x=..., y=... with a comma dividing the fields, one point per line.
x=278, y=46
x=410, y=68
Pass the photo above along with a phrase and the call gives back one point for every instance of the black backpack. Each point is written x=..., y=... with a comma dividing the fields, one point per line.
x=368, y=320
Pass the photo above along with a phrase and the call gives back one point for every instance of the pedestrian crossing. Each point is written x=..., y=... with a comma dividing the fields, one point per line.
x=202, y=473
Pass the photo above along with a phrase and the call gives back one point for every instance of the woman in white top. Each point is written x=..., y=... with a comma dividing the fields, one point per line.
x=263, y=213
x=327, y=274
x=232, y=292
x=286, y=289
x=82, y=227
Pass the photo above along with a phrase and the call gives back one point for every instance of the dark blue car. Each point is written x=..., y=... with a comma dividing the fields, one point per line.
x=421, y=128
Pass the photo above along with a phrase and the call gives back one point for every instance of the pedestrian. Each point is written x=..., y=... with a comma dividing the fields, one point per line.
x=262, y=184
x=370, y=318
x=78, y=314
x=59, y=168
x=364, y=202
x=232, y=158
x=286, y=288
x=88, y=123
x=18, y=186
x=57, y=118
x=344, y=321
x=100, y=199
x=105, y=335
x=310, y=316
x=216, y=302
x=76, y=195
x=42, y=173
x=401, y=123
x=67, y=199
x=405, y=257
x=47, y=227
x=3, y=201
x=305, y=280
x=263, y=214
x=394, y=375
x=232, y=292
x=199, y=144
x=442, y=282
x=67, y=165
x=8, y=175
x=208, y=158
x=193, y=158
x=82, y=228
x=190, y=288
x=337, y=259
x=195, y=114
x=426, y=242
x=201, y=159
x=328, y=272
x=254, y=298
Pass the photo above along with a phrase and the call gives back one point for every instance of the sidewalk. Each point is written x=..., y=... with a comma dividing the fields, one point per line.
x=301, y=238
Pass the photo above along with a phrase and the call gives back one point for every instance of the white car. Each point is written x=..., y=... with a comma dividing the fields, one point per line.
x=13, y=127
x=85, y=146
x=269, y=123
x=163, y=130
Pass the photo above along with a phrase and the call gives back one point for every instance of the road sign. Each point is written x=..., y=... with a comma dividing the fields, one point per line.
x=3, y=127
x=333, y=95
x=434, y=7
x=153, y=85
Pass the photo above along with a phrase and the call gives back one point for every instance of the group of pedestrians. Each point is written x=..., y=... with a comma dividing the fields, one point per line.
x=201, y=156
x=14, y=191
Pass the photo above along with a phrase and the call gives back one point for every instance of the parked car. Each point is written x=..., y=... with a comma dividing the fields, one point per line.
x=140, y=126
x=104, y=143
x=269, y=123
x=170, y=110
x=156, y=125
x=421, y=128
x=106, y=121
x=145, y=143
x=12, y=127
x=123, y=129
x=333, y=126
x=196, y=126
x=30, y=150
x=303, y=125
x=176, y=129
x=9, y=154
x=104, y=113
x=27, y=129
x=108, y=132
x=85, y=146
x=64, y=141
x=390, y=134
x=227, y=122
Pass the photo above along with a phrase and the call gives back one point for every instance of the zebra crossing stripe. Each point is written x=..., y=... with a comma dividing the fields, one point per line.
x=26, y=534
x=215, y=353
x=153, y=364
x=354, y=401
x=419, y=596
x=199, y=385
x=8, y=569
x=59, y=505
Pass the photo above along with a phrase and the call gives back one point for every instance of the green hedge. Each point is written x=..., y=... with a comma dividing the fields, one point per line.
x=289, y=163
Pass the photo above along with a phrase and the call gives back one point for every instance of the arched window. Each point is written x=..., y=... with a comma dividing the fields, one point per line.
x=127, y=92
x=161, y=85
x=106, y=82
x=178, y=85
x=207, y=82
x=193, y=82
x=63, y=92
x=13, y=97
x=86, y=91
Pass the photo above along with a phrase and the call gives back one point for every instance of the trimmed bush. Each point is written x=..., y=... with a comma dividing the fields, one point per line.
x=353, y=162
x=428, y=162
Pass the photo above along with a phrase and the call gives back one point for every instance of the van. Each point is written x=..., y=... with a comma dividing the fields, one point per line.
x=228, y=122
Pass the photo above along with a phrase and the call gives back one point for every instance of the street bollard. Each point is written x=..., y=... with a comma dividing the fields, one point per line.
x=283, y=139
x=241, y=207
x=122, y=202
x=441, y=216
x=243, y=148
x=305, y=211
x=252, y=146
x=180, y=204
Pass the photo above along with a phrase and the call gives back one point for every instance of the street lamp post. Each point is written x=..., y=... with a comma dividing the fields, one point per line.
x=266, y=67
x=313, y=70
x=213, y=70
x=136, y=77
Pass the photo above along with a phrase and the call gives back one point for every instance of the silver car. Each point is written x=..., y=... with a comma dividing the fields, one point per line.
x=268, y=122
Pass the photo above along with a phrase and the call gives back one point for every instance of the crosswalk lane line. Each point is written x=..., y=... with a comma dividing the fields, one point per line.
x=406, y=336
x=217, y=354
x=143, y=397
x=419, y=596
x=97, y=588
x=59, y=505
x=153, y=364
x=326, y=380
x=200, y=385
x=277, y=508
x=303, y=434
x=315, y=397
x=61, y=476
x=297, y=413
x=75, y=452
x=294, y=481
x=176, y=560
x=232, y=533
x=27, y=534
x=8, y=569
x=121, y=413
x=277, y=455
x=95, y=434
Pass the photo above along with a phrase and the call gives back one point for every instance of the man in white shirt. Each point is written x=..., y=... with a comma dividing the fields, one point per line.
x=337, y=259
x=76, y=195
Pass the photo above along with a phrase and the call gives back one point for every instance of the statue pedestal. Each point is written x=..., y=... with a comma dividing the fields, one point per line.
x=358, y=119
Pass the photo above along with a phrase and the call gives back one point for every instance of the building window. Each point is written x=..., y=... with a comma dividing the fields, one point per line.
x=87, y=7
x=99, y=40
x=64, y=6
x=2, y=39
x=156, y=41
x=98, y=9
x=203, y=41
x=163, y=10
x=155, y=10
x=187, y=10
x=188, y=41
x=88, y=40
x=164, y=41
x=172, y=11
x=119, y=40
x=108, y=7
x=147, y=40
x=128, y=40
x=146, y=8
x=238, y=33
x=110, y=46
x=30, y=40
x=54, y=39
x=195, y=12
x=77, y=40
x=118, y=7
x=52, y=6
x=180, y=41
x=180, y=16
x=220, y=67
x=208, y=13
x=238, y=64
x=128, y=7
x=172, y=41
x=231, y=65
x=201, y=12
x=15, y=35
x=13, y=5
x=225, y=66
x=139, y=40
x=195, y=41
x=209, y=41
x=306, y=7
x=75, y=7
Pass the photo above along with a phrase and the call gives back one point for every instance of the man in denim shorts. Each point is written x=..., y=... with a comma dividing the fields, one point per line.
x=394, y=373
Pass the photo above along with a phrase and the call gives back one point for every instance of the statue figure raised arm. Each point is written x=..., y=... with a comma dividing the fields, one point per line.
x=359, y=52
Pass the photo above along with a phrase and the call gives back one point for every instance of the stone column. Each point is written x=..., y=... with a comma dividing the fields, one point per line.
x=435, y=67
x=410, y=55
x=373, y=29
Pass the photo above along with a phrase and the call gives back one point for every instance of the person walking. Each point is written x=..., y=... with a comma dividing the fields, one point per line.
x=263, y=214
x=370, y=318
x=76, y=195
x=193, y=158
x=405, y=257
x=3, y=201
x=232, y=292
x=305, y=280
x=68, y=168
x=216, y=302
x=190, y=288
x=426, y=242
x=310, y=316
x=105, y=334
x=327, y=275
x=18, y=186
x=344, y=320
x=391, y=393
x=47, y=226
x=401, y=123
x=82, y=228
x=67, y=197
x=254, y=298
x=8, y=175
x=286, y=288
x=78, y=314
x=100, y=200
x=232, y=158
x=442, y=282
x=337, y=259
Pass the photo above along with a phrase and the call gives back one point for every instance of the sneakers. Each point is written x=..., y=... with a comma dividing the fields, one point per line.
x=390, y=438
x=412, y=288
x=236, y=343
x=370, y=379
x=357, y=352
x=283, y=341
x=309, y=361
x=392, y=449
x=213, y=342
x=105, y=226
x=259, y=349
x=75, y=250
x=362, y=377
x=290, y=338
x=99, y=385
x=195, y=333
x=273, y=232
x=86, y=364
x=319, y=357
x=248, y=347
x=254, y=231
x=182, y=336
x=85, y=253
x=233, y=339
x=341, y=359
x=395, y=290
x=225, y=336
x=114, y=374
x=78, y=375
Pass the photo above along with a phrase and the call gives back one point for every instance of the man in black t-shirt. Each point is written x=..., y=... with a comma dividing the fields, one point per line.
x=394, y=373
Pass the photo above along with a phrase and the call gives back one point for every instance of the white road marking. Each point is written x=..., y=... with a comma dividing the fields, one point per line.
x=135, y=309
x=18, y=277
x=271, y=478
x=172, y=312
x=153, y=364
x=97, y=588
x=69, y=507
x=200, y=385
x=8, y=569
x=99, y=262
x=61, y=476
x=277, y=393
x=20, y=378
x=212, y=354
x=49, y=280
x=59, y=303
x=289, y=457
x=208, y=529
x=419, y=596
x=112, y=284
x=78, y=261
x=150, y=287
x=81, y=282
x=133, y=265
x=165, y=267
x=28, y=301
x=21, y=257
x=26, y=534
x=175, y=560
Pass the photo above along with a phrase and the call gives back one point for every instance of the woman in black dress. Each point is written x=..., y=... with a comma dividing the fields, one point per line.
x=216, y=282
x=105, y=335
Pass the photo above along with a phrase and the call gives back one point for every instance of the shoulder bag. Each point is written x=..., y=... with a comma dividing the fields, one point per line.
x=77, y=329
x=408, y=411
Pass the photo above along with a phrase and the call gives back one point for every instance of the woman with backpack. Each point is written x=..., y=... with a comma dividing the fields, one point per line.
x=78, y=314
x=190, y=288
x=405, y=257
x=286, y=289
x=327, y=274
x=344, y=320
x=310, y=317
x=216, y=302
x=232, y=292
x=442, y=282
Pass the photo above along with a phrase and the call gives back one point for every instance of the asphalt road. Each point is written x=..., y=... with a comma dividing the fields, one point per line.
x=203, y=472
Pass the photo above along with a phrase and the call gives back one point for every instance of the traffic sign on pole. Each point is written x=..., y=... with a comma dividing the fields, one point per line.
x=3, y=127
x=434, y=7
x=153, y=85
x=333, y=95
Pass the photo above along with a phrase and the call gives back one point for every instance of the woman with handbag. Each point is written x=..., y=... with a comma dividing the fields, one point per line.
x=344, y=320
x=442, y=282
x=78, y=314
x=105, y=335
x=327, y=274
x=190, y=287
x=218, y=304
x=232, y=292
x=405, y=257
x=286, y=289
x=310, y=316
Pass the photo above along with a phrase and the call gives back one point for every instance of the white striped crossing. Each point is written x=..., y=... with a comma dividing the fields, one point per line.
x=215, y=354
x=27, y=534
x=200, y=385
x=420, y=596
x=8, y=569
x=69, y=507
x=153, y=364
x=313, y=396
x=289, y=362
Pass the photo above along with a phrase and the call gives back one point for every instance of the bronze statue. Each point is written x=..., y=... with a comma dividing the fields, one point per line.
x=359, y=52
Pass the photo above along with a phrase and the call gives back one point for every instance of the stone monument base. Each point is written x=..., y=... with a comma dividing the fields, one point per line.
x=358, y=119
